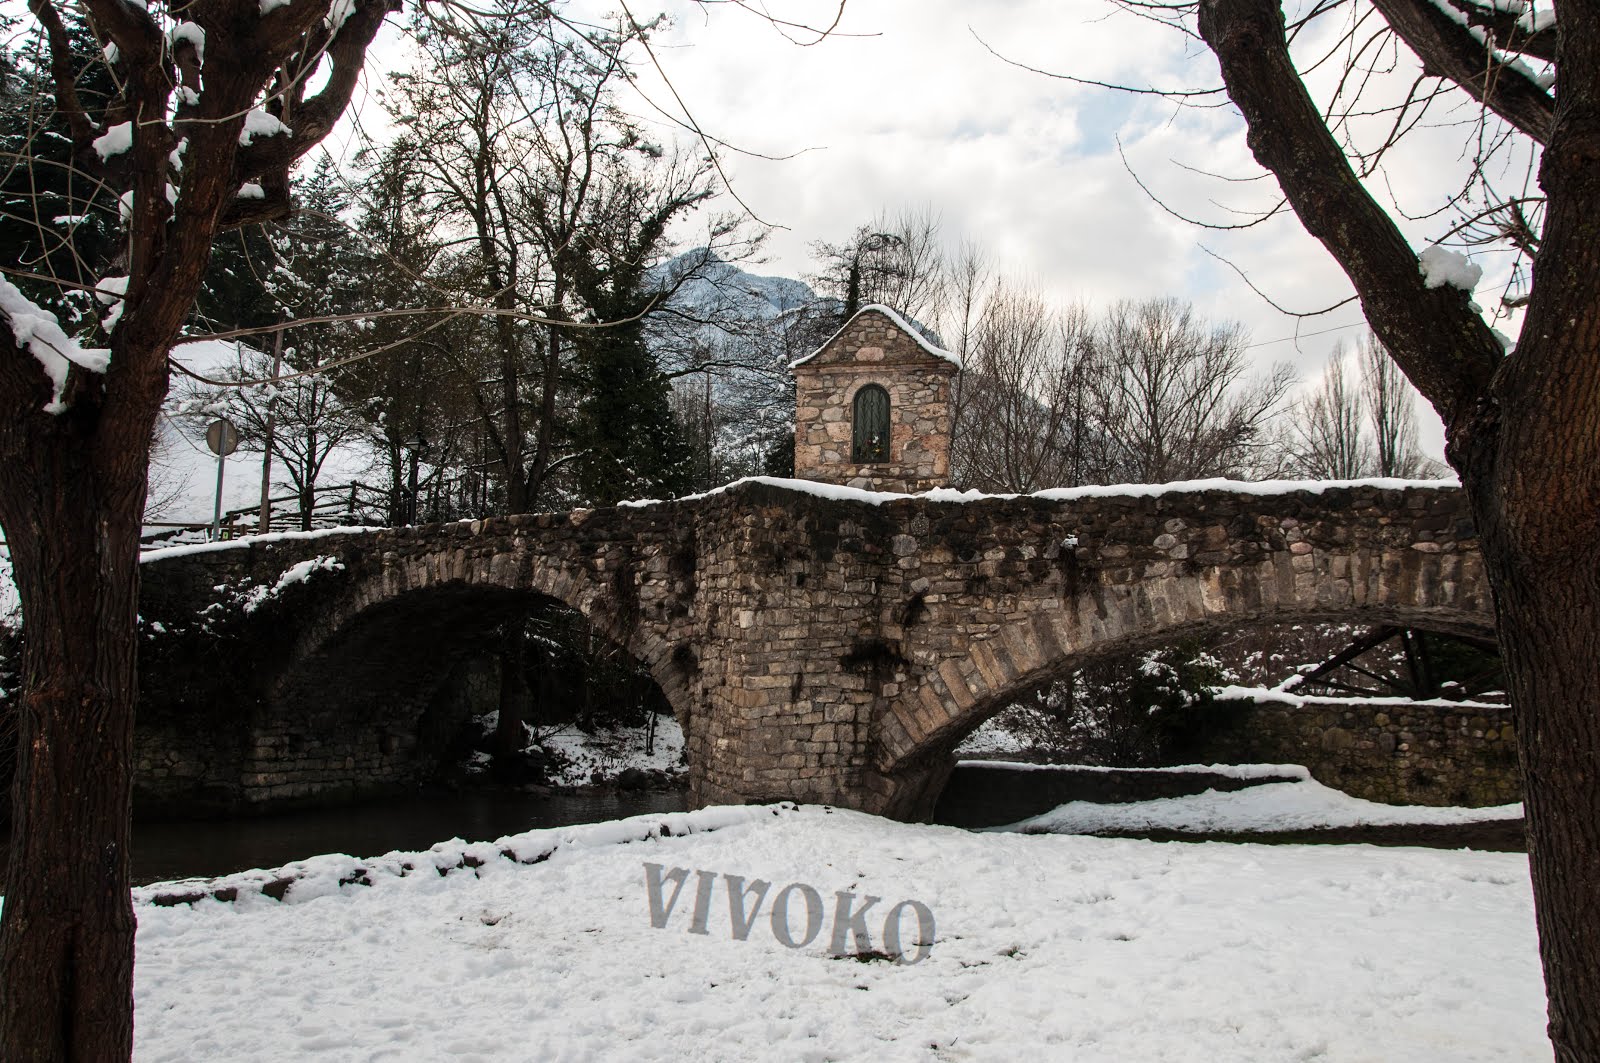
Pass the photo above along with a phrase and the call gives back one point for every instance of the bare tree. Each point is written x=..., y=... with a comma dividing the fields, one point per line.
x=1520, y=430
x=302, y=421
x=1328, y=437
x=1390, y=407
x=969, y=276
x=1025, y=396
x=1172, y=395
x=897, y=260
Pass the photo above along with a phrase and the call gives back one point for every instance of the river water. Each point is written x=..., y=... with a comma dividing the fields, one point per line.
x=207, y=848
x=977, y=796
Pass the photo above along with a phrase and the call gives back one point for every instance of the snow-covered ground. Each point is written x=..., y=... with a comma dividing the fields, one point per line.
x=1280, y=806
x=1015, y=730
x=183, y=475
x=1046, y=947
x=582, y=758
x=610, y=753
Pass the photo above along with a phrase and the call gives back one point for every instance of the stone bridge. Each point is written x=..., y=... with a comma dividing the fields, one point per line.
x=817, y=643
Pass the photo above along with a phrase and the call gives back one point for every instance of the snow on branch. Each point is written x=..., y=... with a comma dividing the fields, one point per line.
x=38, y=330
x=1440, y=267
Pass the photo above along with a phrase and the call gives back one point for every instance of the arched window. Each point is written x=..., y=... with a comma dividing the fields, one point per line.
x=871, y=436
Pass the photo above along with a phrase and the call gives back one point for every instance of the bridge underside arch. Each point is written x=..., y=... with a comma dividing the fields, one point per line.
x=917, y=731
x=367, y=700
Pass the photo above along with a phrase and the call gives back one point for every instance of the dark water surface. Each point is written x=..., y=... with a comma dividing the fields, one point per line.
x=208, y=848
x=975, y=797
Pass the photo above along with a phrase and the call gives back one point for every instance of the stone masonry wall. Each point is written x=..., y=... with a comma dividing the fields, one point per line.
x=1414, y=754
x=874, y=350
x=830, y=650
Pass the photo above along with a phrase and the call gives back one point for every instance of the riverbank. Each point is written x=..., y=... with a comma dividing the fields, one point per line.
x=1058, y=947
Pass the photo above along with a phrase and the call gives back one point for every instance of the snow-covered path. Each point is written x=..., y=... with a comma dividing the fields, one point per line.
x=1047, y=948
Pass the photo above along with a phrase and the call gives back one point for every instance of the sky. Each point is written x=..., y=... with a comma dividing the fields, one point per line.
x=906, y=106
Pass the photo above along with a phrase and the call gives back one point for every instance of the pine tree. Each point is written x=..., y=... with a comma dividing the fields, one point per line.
x=55, y=220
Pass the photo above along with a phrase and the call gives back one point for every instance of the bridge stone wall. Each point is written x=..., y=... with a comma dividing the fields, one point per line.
x=817, y=644
x=1412, y=754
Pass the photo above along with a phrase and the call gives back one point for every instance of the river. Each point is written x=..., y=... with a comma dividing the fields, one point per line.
x=168, y=850
x=977, y=796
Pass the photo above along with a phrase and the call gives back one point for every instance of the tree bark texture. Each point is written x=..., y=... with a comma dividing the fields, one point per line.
x=66, y=943
x=72, y=484
x=1523, y=431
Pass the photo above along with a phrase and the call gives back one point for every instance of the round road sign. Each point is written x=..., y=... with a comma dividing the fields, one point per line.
x=222, y=437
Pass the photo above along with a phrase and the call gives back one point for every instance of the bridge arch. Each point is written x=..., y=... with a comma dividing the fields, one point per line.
x=453, y=600
x=1168, y=575
x=300, y=668
x=367, y=667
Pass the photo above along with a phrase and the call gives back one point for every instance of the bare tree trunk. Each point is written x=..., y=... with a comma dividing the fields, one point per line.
x=1548, y=616
x=66, y=943
x=547, y=416
x=265, y=523
x=508, y=733
x=1524, y=432
x=511, y=431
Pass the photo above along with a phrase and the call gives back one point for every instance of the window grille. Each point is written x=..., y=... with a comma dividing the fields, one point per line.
x=871, y=435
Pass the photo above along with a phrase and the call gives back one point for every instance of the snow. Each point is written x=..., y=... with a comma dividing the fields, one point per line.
x=112, y=292
x=10, y=600
x=339, y=12
x=191, y=32
x=1232, y=771
x=839, y=492
x=38, y=330
x=1535, y=19
x=1440, y=267
x=114, y=141
x=937, y=352
x=256, y=597
x=1285, y=697
x=10, y=603
x=1281, y=806
x=251, y=190
x=269, y=6
x=611, y=753
x=259, y=123
x=1047, y=947
x=244, y=542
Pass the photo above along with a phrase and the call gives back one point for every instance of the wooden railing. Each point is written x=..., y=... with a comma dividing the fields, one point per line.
x=332, y=506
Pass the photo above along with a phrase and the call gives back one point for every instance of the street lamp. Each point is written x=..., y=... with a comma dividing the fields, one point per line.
x=416, y=446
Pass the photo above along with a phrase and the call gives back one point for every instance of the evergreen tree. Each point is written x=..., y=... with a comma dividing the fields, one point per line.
x=632, y=446
x=56, y=221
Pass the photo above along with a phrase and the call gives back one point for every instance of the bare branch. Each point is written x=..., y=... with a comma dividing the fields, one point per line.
x=1444, y=347
x=1448, y=49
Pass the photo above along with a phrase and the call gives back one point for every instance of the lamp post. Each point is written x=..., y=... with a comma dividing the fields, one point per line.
x=416, y=446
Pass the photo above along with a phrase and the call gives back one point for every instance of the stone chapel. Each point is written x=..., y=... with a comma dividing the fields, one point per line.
x=872, y=407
